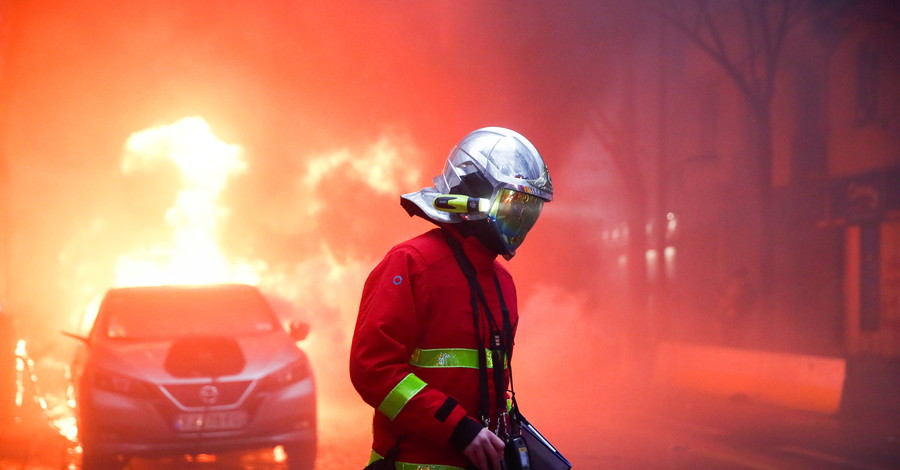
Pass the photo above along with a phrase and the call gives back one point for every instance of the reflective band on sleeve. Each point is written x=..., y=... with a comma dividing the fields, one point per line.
x=449, y=357
x=400, y=395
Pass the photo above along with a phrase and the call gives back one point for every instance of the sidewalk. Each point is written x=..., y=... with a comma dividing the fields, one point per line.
x=840, y=440
x=856, y=386
x=623, y=419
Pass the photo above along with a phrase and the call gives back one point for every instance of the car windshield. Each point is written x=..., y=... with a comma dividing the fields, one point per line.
x=160, y=313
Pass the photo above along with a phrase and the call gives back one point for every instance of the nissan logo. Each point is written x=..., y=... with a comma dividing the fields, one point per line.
x=209, y=394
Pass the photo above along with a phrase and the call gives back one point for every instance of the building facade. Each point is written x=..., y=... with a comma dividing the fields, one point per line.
x=826, y=208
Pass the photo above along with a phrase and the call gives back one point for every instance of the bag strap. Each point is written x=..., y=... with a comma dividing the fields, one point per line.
x=469, y=271
x=501, y=340
x=508, y=331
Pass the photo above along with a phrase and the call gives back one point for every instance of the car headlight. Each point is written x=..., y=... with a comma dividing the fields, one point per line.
x=292, y=373
x=121, y=384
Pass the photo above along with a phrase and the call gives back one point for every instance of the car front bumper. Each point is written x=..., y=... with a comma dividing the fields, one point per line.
x=117, y=424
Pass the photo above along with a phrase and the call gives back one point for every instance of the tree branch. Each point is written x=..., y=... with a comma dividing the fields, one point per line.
x=752, y=44
x=774, y=46
x=713, y=29
x=723, y=60
x=623, y=155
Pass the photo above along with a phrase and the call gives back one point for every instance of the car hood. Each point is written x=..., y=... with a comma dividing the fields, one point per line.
x=147, y=360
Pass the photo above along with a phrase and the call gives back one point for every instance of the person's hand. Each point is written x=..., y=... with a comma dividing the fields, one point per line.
x=485, y=451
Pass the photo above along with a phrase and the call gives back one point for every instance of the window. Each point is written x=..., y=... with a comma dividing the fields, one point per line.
x=870, y=277
x=868, y=59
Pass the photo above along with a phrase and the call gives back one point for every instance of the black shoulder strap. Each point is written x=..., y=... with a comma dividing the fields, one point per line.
x=469, y=271
x=501, y=341
x=508, y=333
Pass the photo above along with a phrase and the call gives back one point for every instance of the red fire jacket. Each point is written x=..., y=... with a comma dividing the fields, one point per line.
x=413, y=356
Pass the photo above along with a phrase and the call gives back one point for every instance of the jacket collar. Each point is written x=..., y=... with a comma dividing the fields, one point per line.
x=479, y=254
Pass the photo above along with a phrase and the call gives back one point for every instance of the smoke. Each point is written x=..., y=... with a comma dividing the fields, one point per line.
x=312, y=91
x=325, y=112
x=321, y=287
x=381, y=169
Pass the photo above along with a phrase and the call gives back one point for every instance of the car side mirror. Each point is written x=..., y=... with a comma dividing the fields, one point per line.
x=76, y=336
x=299, y=330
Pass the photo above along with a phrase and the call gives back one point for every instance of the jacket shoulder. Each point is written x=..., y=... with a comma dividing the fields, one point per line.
x=430, y=247
x=501, y=271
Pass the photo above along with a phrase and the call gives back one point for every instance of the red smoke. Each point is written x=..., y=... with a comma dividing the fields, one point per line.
x=291, y=83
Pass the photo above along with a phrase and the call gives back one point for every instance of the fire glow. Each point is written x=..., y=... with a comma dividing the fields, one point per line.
x=205, y=164
x=321, y=288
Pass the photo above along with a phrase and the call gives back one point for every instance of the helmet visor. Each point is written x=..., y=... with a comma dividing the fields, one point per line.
x=513, y=213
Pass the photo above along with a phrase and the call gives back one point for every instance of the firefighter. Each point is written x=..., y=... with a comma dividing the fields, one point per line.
x=423, y=338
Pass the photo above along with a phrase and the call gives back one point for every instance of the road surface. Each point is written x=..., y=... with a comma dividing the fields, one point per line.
x=598, y=424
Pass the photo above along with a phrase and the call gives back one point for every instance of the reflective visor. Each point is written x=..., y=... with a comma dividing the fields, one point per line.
x=513, y=213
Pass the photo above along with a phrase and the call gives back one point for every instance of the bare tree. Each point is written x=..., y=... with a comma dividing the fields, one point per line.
x=617, y=138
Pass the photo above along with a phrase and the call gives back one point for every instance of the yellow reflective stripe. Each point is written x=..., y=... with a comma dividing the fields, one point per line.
x=412, y=466
x=449, y=357
x=422, y=466
x=400, y=395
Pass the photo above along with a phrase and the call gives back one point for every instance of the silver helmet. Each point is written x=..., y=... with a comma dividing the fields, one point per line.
x=500, y=183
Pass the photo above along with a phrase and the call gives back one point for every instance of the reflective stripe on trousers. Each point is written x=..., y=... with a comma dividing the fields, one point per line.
x=413, y=466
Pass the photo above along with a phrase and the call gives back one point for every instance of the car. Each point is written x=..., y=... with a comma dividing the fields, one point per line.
x=169, y=370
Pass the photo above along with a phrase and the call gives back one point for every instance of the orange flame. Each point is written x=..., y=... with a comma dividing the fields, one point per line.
x=320, y=283
x=205, y=163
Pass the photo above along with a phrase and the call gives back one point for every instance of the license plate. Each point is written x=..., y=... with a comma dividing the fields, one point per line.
x=211, y=421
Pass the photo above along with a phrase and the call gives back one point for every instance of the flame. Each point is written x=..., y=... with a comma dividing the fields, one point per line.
x=205, y=163
x=279, y=455
x=192, y=255
x=57, y=413
x=21, y=363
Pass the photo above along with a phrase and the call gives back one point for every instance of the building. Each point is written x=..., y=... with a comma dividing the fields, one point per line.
x=796, y=185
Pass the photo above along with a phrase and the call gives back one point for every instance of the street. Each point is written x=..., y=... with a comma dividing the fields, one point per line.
x=598, y=424
x=715, y=285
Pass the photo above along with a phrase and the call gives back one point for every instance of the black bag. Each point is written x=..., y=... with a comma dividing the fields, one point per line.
x=530, y=450
x=382, y=464
x=386, y=463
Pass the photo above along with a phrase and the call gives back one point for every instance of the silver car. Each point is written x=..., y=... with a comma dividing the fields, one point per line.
x=190, y=370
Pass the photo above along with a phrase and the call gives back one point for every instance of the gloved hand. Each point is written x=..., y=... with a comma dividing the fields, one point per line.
x=485, y=451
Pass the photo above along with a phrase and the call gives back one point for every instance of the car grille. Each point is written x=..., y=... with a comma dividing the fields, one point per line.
x=208, y=394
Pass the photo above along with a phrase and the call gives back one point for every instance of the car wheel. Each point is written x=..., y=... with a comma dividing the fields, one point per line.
x=301, y=455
